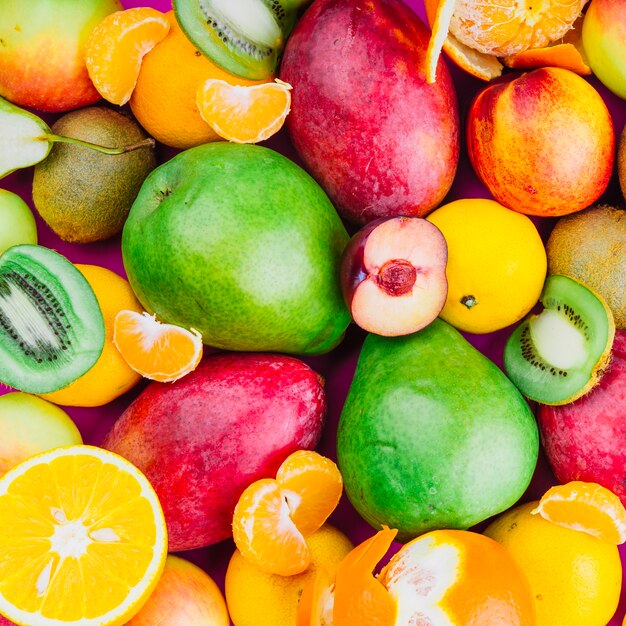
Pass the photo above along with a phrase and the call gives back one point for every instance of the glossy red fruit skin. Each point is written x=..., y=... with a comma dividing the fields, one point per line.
x=204, y=438
x=586, y=440
x=378, y=138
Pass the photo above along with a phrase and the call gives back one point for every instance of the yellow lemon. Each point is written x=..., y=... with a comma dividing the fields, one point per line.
x=255, y=598
x=82, y=539
x=496, y=264
x=575, y=578
x=111, y=376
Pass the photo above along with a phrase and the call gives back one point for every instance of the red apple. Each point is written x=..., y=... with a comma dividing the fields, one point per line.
x=586, y=440
x=378, y=138
x=393, y=275
x=184, y=596
x=42, y=50
x=203, y=439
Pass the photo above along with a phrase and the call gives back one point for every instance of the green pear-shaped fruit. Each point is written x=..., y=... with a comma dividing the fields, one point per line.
x=241, y=244
x=432, y=434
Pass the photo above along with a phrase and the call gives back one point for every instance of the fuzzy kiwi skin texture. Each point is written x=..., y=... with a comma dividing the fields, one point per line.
x=51, y=326
x=590, y=246
x=82, y=194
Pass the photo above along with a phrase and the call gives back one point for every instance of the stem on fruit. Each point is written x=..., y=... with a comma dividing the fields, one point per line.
x=146, y=143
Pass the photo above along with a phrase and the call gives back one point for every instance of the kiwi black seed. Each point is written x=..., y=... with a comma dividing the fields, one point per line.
x=561, y=353
x=215, y=31
x=51, y=326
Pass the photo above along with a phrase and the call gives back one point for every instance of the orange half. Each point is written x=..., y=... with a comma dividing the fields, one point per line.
x=163, y=352
x=244, y=113
x=587, y=507
x=116, y=48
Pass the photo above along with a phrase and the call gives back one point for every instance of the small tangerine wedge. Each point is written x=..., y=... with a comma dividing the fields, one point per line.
x=162, y=352
x=483, y=66
x=273, y=517
x=264, y=532
x=587, y=507
x=116, y=47
x=312, y=486
x=458, y=578
x=244, y=113
x=82, y=539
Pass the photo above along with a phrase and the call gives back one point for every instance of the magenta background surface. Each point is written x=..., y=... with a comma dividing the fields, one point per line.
x=337, y=367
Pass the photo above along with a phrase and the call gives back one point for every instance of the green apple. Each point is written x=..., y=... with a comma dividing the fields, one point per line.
x=241, y=244
x=17, y=221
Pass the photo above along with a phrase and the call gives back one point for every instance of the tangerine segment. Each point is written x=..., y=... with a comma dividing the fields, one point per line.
x=244, y=113
x=457, y=578
x=82, y=539
x=312, y=486
x=163, y=352
x=264, y=532
x=359, y=598
x=587, y=507
x=505, y=27
x=116, y=47
x=482, y=66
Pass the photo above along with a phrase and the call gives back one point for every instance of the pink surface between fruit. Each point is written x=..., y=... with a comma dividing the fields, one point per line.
x=337, y=367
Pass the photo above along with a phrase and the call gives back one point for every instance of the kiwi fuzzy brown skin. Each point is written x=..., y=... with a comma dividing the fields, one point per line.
x=51, y=326
x=82, y=194
x=524, y=365
x=590, y=246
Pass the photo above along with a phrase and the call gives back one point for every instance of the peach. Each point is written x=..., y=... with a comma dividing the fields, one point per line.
x=30, y=425
x=604, y=41
x=184, y=596
x=543, y=143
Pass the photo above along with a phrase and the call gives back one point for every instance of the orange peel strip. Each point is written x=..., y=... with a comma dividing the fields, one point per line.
x=440, y=29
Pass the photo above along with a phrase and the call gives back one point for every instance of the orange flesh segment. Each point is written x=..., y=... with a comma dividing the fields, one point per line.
x=359, y=597
x=482, y=66
x=116, y=48
x=587, y=507
x=312, y=485
x=162, y=352
x=264, y=532
x=244, y=113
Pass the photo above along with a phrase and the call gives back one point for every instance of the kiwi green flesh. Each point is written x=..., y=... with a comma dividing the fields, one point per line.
x=222, y=40
x=51, y=326
x=588, y=317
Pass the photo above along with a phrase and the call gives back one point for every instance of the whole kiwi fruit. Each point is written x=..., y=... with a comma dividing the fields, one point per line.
x=590, y=246
x=83, y=194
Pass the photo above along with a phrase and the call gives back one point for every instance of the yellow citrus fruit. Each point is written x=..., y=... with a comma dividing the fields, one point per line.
x=496, y=264
x=111, y=376
x=256, y=598
x=116, y=47
x=82, y=539
x=164, y=98
x=575, y=578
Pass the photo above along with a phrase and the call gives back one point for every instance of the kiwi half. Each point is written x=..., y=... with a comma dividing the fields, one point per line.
x=560, y=354
x=51, y=326
x=244, y=37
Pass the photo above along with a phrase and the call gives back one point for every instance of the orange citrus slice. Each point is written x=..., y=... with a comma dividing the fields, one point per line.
x=458, y=577
x=273, y=517
x=244, y=113
x=163, y=352
x=82, y=539
x=116, y=47
x=482, y=66
x=587, y=507
x=505, y=27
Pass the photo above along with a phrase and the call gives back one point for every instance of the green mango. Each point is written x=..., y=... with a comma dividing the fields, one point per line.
x=432, y=434
x=241, y=244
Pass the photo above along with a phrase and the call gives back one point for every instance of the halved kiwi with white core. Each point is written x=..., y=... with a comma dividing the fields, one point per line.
x=51, y=326
x=559, y=355
x=244, y=37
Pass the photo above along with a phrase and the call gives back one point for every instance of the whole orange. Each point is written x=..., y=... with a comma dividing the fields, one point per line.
x=164, y=98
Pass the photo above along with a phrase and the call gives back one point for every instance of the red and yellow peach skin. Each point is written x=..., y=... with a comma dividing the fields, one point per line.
x=543, y=143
